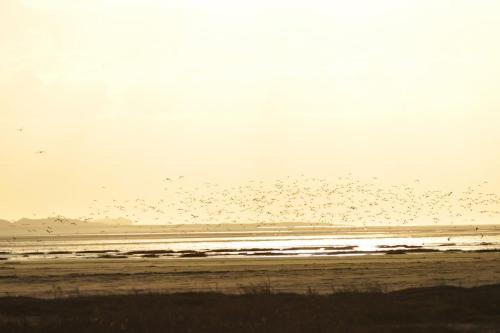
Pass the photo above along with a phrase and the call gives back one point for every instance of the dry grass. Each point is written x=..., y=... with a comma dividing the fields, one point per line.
x=259, y=308
x=259, y=288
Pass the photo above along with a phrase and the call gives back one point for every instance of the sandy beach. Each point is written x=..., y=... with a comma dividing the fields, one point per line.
x=322, y=274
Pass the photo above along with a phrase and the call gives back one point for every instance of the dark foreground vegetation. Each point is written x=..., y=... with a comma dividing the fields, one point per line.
x=259, y=309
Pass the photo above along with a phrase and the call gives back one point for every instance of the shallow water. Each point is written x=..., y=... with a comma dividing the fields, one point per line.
x=262, y=241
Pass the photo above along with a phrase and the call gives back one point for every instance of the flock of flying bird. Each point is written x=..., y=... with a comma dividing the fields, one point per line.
x=345, y=201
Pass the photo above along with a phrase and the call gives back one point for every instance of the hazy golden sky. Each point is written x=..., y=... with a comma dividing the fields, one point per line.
x=122, y=93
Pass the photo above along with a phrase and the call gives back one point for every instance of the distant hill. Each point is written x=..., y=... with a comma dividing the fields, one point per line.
x=49, y=220
x=60, y=225
x=4, y=223
x=64, y=220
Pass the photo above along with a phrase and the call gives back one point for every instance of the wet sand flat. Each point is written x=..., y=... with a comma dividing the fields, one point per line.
x=247, y=241
x=40, y=278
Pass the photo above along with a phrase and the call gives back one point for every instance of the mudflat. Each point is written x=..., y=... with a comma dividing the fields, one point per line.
x=324, y=274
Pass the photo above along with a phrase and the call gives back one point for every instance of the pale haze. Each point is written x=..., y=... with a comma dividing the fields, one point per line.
x=121, y=94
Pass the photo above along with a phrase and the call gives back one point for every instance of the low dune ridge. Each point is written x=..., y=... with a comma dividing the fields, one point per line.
x=258, y=308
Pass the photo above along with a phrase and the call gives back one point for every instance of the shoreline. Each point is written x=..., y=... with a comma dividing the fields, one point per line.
x=252, y=242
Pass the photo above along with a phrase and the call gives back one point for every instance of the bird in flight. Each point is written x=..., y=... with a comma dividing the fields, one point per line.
x=40, y=152
x=20, y=129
